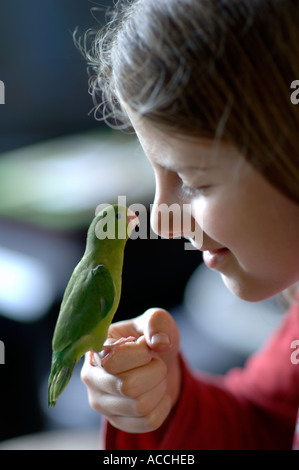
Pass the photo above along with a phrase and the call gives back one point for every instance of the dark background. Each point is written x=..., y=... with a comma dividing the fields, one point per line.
x=46, y=94
x=44, y=74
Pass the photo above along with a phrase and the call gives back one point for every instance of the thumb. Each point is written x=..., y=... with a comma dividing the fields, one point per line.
x=160, y=330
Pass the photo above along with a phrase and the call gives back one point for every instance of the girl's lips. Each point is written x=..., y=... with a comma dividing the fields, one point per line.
x=214, y=258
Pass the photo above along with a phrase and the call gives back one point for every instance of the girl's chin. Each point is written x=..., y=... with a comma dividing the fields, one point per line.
x=249, y=290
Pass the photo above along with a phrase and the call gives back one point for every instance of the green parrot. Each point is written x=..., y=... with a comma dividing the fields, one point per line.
x=91, y=296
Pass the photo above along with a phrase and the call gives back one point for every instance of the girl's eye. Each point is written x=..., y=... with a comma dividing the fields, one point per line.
x=188, y=191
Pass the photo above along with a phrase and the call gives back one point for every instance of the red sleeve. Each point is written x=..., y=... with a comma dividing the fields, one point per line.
x=250, y=408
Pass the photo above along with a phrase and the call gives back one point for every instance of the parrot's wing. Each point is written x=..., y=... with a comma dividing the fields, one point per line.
x=85, y=306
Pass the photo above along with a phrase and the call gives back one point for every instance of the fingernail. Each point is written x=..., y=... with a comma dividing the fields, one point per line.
x=160, y=338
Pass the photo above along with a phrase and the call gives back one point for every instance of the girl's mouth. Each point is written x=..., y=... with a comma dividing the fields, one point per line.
x=214, y=259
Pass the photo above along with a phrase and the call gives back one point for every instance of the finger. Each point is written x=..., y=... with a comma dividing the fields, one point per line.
x=112, y=405
x=127, y=359
x=98, y=380
x=122, y=329
x=128, y=356
x=149, y=400
x=146, y=378
x=160, y=330
x=148, y=423
x=109, y=348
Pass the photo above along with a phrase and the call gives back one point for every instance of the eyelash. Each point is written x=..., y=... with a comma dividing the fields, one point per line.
x=188, y=191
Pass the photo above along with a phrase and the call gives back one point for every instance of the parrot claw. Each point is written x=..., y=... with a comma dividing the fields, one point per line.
x=109, y=349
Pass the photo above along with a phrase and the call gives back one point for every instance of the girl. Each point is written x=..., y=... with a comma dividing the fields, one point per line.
x=206, y=85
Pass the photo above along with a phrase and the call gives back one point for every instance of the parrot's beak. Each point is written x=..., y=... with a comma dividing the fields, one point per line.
x=132, y=220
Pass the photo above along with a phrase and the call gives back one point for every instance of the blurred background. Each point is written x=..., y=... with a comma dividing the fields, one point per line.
x=57, y=163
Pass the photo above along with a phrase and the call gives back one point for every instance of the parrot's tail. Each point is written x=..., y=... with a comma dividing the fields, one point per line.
x=58, y=380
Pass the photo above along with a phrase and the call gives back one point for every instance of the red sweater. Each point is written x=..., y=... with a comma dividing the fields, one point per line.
x=250, y=408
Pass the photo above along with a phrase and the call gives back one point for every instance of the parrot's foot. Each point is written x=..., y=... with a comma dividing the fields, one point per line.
x=109, y=349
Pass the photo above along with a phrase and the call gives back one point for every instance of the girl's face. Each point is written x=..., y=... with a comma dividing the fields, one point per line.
x=250, y=230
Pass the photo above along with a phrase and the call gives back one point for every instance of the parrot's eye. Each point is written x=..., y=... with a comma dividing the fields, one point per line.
x=118, y=216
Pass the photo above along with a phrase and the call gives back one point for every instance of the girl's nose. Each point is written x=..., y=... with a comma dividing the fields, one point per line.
x=166, y=218
x=171, y=215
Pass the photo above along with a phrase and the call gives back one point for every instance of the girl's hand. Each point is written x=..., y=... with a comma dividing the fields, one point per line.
x=138, y=384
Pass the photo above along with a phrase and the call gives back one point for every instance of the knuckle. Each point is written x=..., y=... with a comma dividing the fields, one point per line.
x=94, y=402
x=84, y=375
x=156, y=316
x=143, y=406
x=154, y=421
x=109, y=366
x=160, y=367
x=158, y=415
x=130, y=386
x=163, y=368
